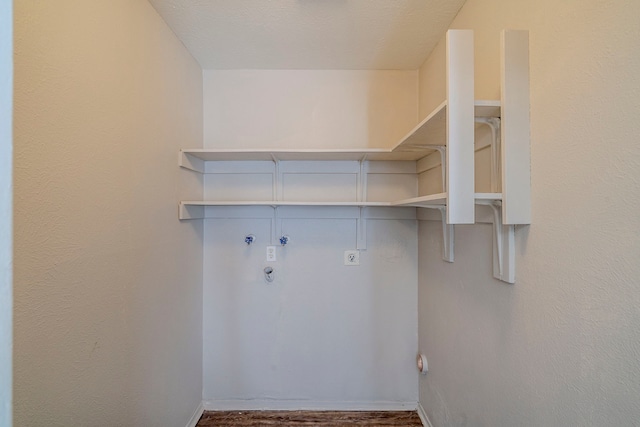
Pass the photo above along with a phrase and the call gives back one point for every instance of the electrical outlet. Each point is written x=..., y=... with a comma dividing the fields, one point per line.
x=271, y=253
x=351, y=257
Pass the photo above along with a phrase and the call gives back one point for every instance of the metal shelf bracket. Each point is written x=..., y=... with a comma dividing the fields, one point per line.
x=447, y=233
x=361, y=230
x=504, y=247
x=494, y=125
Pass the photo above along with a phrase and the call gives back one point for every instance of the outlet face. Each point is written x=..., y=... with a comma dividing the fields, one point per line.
x=271, y=253
x=351, y=257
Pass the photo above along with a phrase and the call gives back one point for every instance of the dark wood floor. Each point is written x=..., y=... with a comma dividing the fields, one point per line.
x=308, y=418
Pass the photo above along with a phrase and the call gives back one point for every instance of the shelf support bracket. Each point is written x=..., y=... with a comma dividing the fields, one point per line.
x=361, y=196
x=442, y=150
x=448, y=233
x=276, y=227
x=190, y=162
x=496, y=160
x=191, y=212
x=361, y=230
x=361, y=189
x=504, y=247
x=277, y=179
x=443, y=164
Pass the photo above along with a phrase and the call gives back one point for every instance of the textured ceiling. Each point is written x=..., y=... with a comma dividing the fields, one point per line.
x=309, y=34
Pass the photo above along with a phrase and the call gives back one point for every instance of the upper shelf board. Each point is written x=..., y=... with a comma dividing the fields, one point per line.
x=432, y=130
x=274, y=203
x=223, y=154
x=414, y=146
x=440, y=199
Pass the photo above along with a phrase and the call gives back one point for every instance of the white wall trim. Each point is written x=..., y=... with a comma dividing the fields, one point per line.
x=310, y=405
x=423, y=416
x=196, y=416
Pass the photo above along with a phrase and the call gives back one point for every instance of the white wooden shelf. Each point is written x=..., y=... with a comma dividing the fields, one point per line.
x=439, y=199
x=385, y=173
x=275, y=204
x=432, y=130
x=414, y=146
x=215, y=154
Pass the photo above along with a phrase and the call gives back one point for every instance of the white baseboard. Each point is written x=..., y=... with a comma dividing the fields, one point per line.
x=307, y=405
x=196, y=416
x=423, y=416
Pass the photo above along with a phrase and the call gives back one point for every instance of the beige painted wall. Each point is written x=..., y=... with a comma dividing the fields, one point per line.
x=308, y=108
x=561, y=346
x=107, y=280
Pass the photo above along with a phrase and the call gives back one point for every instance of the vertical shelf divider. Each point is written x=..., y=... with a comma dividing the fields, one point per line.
x=515, y=132
x=460, y=128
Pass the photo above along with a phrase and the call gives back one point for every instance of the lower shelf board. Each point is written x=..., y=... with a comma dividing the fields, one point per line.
x=504, y=234
x=432, y=200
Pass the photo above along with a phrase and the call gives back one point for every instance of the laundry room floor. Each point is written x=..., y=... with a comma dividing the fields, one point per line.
x=309, y=418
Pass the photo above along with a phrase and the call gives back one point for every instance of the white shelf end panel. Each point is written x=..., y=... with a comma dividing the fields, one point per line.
x=460, y=128
x=515, y=132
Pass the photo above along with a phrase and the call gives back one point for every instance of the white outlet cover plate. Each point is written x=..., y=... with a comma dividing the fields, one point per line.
x=271, y=253
x=351, y=257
